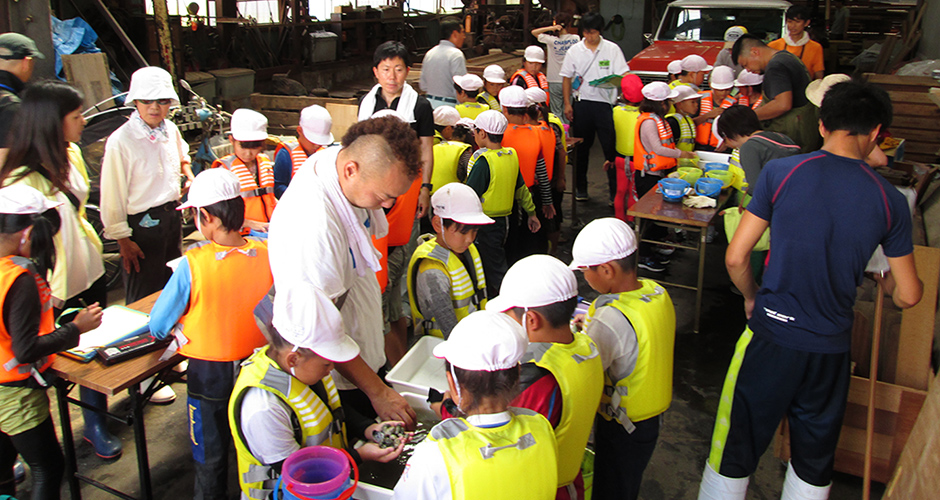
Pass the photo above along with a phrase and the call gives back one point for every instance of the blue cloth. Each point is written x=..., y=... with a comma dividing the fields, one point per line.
x=75, y=36
x=827, y=215
x=173, y=301
x=283, y=168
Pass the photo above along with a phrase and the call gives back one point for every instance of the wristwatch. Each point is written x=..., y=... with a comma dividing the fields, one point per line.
x=428, y=185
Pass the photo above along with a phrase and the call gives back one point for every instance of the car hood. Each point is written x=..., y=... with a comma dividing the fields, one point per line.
x=657, y=56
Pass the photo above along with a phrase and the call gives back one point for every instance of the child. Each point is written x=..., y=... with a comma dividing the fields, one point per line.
x=446, y=281
x=467, y=88
x=254, y=170
x=207, y=307
x=625, y=117
x=530, y=74
x=451, y=157
x=713, y=102
x=29, y=339
x=551, y=130
x=491, y=451
x=681, y=122
x=741, y=130
x=562, y=376
x=313, y=134
x=494, y=175
x=557, y=40
x=494, y=79
x=445, y=119
x=673, y=70
x=749, y=89
x=633, y=322
x=693, y=72
x=285, y=398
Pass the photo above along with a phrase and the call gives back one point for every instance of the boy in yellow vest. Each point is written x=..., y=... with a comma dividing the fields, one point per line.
x=468, y=88
x=254, y=170
x=633, y=322
x=207, y=306
x=445, y=276
x=313, y=134
x=494, y=79
x=562, y=376
x=451, y=156
x=445, y=119
x=625, y=117
x=285, y=398
x=681, y=120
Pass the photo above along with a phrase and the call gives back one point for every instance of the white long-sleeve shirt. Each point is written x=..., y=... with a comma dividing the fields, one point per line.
x=141, y=169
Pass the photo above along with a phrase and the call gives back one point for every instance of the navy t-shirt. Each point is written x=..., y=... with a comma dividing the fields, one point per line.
x=827, y=215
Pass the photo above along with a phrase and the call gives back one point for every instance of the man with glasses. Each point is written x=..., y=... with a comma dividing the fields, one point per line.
x=17, y=58
x=254, y=170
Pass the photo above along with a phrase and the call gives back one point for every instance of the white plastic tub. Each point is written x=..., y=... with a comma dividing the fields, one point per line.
x=708, y=156
x=419, y=370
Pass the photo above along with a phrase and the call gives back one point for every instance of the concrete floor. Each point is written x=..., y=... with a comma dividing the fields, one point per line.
x=675, y=469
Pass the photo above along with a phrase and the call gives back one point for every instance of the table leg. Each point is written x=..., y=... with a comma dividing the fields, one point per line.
x=574, y=189
x=140, y=438
x=68, y=441
x=699, y=286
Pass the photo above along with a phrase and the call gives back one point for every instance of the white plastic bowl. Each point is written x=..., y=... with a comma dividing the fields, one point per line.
x=707, y=156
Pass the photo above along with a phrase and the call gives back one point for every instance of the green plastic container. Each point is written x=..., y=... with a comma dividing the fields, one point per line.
x=689, y=174
x=724, y=176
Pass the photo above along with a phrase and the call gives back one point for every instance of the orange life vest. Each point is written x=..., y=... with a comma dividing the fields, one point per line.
x=547, y=138
x=381, y=244
x=703, y=132
x=401, y=217
x=539, y=81
x=643, y=160
x=529, y=141
x=259, y=199
x=12, y=370
x=297, y=154
x=744, y=100
x=227, y=283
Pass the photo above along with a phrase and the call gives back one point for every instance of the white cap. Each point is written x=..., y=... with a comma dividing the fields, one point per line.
x=446, y=116
x=733, y=33
x=747, y=79
x=492, y=121
x=601, y=241
x=316, y=122
x=674, y=67
x=306, y=318
x=535, y=95
x=22, y=199
x=212, y=186
x=685, y=92
x=459, y=203
x=249, y=125
x=513, y=96
x=534, y=53
x=658, y=91
x=816, y=90
x=722, y=78
x=535, y=281
x=465, y=121
x=468, y=82
x=494, y=73
x=484, y=341
x=151, y=83
x=695, y=62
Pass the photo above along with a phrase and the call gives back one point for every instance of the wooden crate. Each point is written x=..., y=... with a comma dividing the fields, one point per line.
x=916, y=117
x=90, y=73
x=916, y=472
x=283, y=112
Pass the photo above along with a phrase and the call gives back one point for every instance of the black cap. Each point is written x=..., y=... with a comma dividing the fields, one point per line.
x=16, y=46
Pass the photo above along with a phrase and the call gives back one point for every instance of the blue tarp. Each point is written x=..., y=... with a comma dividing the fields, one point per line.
x=75, y=36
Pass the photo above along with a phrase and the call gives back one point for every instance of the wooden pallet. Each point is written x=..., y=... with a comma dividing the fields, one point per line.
x=916, y=118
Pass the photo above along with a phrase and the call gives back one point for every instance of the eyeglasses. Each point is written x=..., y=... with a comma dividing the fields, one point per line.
x=251, y=144
x=162, y=102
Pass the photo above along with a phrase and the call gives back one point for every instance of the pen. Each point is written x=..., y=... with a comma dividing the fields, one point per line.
x=82, y=302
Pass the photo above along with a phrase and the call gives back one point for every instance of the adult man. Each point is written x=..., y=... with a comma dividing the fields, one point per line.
x=17, y=58
x=785, y=109
x=442, y=63
x=591, y=112
x=321, y=236
x=797, y=41
x=313, y=134
x=793, y=358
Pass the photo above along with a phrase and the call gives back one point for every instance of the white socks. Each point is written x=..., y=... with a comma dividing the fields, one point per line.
x=717, y=487
x=795, y=488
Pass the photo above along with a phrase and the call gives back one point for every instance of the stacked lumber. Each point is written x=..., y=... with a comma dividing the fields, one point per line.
x=916, y=118
x=283, y=112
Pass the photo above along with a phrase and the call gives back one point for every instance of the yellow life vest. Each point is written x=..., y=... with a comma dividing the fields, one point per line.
x=625, y=118
x=315, y=422
x=466, y=290
x=471, y=109
x=484, y=97
x=686, y=139
x=446, y=160
x=515, y=461
x=647, y=391
x=504, y=169
x=579, y=372
x=554, y=120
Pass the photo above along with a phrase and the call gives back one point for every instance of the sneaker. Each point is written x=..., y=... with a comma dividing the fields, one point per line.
x=665, y=251
x=662, y=259
x=651, y=265
x=581, y=195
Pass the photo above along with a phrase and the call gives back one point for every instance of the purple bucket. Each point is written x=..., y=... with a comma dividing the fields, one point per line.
x=317, y=472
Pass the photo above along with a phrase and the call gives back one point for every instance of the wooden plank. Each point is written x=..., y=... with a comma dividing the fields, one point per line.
x=920, y=147
x=899, y=129
x=902, y=96
x=902, y=110
x=89, y=72
x=917, y=323
x=344, y=116
x=292, y=103
x=900, y=80
x=284, y=118
x=923, y=123
x=920, y=157
x=916, y=473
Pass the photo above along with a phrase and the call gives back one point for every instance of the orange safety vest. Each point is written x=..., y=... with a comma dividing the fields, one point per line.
x=12, y=370
x=528, y=141
x=227, y=283
x=259, y=200
x=744, y=100
x=643, y=160
x=381, y=244
x=530, y=81
x=401, y=217
x=703, y=132
x=297, y=154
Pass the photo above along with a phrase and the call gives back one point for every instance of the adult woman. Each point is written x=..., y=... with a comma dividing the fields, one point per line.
x=483, y=454
x=45, y=157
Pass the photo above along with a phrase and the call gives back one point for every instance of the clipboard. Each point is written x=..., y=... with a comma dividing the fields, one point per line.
x=117, y=323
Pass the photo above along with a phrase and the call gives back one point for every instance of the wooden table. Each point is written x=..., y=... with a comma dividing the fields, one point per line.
x=111, y=380
x=652, y=209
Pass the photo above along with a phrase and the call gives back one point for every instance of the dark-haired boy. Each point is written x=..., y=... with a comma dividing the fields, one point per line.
x=213, y=326
x=446, y=281
x=253, y=169
x=633, y=323
x=468, y=89
x=740, y=129
x=797, y=41
x=561, y=376
x=827, y=212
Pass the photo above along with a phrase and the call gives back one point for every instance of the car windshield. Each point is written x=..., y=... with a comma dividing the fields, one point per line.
x=709, y=24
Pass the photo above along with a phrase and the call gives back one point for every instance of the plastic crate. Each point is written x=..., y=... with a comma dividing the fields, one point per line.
x=419, y=370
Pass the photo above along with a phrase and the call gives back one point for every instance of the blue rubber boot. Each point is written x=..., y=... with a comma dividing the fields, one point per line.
x=107, y=445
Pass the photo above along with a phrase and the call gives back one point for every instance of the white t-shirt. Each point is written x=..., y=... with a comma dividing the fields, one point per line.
x=307, y=244
x=557, y=48
x=616, y=341
x=606, y=60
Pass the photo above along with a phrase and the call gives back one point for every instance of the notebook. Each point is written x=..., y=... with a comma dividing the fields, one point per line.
x=117, y=323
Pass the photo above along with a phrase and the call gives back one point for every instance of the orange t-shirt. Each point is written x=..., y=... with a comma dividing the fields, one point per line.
x=811, y=54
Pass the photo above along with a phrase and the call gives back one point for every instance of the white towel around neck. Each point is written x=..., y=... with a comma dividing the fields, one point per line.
x=405, y=108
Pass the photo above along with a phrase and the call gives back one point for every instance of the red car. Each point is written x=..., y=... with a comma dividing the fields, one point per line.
x=698, y=27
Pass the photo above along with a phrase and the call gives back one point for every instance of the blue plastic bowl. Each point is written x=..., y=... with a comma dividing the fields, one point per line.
x=707, y=186
x=673, y=189
x=714, y=165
